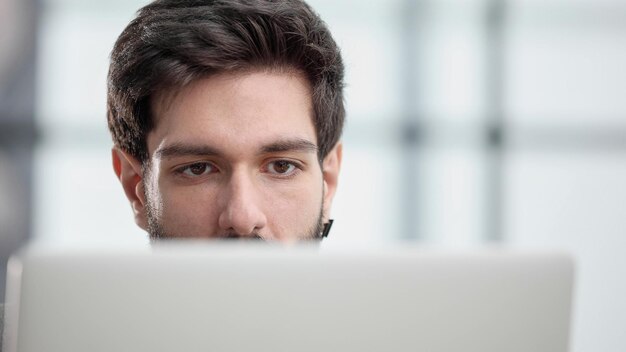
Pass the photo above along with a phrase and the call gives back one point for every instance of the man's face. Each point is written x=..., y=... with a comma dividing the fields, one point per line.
x=234, y=155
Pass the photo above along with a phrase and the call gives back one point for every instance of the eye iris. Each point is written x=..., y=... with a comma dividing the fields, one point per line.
x=281, y=167
x=197, y=169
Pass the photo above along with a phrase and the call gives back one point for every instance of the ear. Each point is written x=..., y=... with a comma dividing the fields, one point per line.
x=330, y=170
x=128, y=170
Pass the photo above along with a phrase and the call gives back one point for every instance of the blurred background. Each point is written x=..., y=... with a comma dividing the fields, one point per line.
x=469, y=123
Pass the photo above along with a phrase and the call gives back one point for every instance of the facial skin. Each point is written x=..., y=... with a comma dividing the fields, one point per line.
x=233, y=155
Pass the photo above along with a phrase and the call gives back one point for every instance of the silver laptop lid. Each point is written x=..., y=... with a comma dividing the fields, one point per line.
x=204, y=297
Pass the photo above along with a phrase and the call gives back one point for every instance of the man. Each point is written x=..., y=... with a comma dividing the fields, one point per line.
x=226, y=118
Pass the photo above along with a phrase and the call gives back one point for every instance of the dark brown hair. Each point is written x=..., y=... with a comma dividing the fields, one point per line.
x=172, y=43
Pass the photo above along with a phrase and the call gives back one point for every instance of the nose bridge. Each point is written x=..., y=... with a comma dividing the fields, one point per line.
x=242, y=213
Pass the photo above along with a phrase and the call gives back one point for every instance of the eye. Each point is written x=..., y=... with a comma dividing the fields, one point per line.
x=282, y=168
x=197, y=169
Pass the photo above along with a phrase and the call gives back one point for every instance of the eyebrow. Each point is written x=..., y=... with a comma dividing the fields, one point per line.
x=290, y=145
x=287, y=145
x=180, y=149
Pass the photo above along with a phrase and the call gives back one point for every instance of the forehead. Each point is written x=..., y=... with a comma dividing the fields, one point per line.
x=235, y=111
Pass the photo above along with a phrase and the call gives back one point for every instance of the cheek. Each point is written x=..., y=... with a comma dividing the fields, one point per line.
x=295, y=206
x=189, y=210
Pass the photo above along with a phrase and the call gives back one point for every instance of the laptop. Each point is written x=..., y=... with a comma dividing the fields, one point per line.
x=227, y=297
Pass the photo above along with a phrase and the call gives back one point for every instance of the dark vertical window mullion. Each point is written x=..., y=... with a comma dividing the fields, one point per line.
x=410, y=132
x=18, y=137
x=494, y=122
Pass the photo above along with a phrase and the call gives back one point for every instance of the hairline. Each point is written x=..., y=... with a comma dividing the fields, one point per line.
x=165, y=95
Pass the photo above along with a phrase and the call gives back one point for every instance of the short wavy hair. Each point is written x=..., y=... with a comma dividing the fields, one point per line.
x=172, y=43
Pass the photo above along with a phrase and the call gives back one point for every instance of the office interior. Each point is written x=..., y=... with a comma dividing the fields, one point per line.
x=469, y=123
